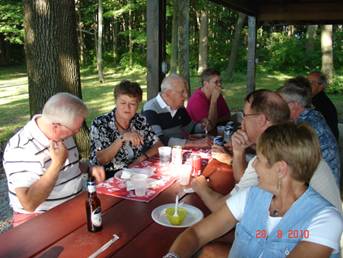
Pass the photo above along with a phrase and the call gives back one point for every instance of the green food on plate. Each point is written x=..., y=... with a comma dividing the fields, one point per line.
x=179, y=218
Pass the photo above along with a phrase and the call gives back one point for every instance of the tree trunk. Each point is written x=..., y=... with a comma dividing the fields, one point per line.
x=184, y=40
x=80, y=30
x=174, y=43
x=290, y=30
x=310, y=38
x=235, y=44
x=99, y=48
x=327, y=52
x=115, y=39
x=52, y=54
x=130, y=38
x=251, y=67
x=203, y=41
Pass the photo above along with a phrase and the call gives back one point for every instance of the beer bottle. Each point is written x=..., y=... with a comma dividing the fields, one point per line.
x=93, y=207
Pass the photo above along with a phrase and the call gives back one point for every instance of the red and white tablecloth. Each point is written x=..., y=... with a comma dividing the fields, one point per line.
x=116, y=186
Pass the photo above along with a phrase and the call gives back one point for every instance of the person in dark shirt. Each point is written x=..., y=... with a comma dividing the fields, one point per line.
x=321, y=101
x=169, y=118
x=122, y=137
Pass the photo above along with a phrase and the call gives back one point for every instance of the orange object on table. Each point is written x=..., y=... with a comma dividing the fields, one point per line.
x=220, y=176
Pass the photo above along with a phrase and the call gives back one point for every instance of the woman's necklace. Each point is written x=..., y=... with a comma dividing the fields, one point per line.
x=125, y=129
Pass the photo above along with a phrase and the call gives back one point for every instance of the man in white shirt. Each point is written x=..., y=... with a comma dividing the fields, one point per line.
x=41, y=161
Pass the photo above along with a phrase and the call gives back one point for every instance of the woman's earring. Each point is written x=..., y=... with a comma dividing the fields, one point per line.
x=279, y=184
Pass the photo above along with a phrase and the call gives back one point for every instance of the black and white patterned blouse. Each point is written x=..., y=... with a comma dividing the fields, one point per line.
x=104, y=132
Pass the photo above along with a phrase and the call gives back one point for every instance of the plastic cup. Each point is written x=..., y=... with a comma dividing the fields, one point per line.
x=165, y=154
x=177, y=155
x=140, y=184
x=185, y=174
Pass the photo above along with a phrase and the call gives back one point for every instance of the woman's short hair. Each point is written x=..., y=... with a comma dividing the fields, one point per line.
x=64, y=108
x=297, y=145
x=129, y=88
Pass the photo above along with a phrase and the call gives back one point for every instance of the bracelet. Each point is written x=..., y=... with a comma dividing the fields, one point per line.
x=146, y=155
x=171, y=255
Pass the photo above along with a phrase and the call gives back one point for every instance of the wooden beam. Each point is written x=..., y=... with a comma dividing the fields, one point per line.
x=315, y=13
x=243, y=6
x=251, y=69
x=156, y=11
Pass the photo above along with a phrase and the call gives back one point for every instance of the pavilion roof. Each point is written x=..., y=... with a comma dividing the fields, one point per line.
x=289, y=11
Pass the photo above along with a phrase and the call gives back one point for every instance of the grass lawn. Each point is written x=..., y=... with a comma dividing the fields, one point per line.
x=14, y=105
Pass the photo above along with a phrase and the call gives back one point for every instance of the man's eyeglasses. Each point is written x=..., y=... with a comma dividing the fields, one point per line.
x=74, y=131
x=182, y=92
x=252, y=114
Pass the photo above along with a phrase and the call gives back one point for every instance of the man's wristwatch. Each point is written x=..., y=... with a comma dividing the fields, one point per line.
x=171, y=255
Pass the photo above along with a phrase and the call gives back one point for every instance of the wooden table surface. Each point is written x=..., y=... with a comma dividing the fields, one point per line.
x=62, y=231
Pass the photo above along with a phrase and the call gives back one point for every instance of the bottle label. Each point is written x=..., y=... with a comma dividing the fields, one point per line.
x=91, y=188
x=96, y=217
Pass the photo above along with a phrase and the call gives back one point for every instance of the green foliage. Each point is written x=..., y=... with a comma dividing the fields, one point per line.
x=276, y=51
x=337, y=85
x=280, y=52
x=116, y=13
x=338, y=47
x=11, y=21
x=137, y=59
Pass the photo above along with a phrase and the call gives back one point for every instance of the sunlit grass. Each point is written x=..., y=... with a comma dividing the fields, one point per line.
x=14, y=105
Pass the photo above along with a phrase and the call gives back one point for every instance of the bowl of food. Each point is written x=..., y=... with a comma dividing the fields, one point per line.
x=178, y=218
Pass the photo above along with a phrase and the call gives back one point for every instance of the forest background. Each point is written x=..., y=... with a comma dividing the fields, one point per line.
x=282, y=51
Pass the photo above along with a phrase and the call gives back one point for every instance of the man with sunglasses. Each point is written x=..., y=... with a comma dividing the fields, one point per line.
x=41, y=161
x=322, y=102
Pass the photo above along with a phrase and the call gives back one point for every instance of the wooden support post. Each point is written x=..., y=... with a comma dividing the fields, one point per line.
x=251, y=69
x=156, y=12
x=184, y=6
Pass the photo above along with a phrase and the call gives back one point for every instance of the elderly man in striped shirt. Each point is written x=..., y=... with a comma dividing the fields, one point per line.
x=41, y=161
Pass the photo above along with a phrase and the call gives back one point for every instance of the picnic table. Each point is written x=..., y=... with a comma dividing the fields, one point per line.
x=62, y=231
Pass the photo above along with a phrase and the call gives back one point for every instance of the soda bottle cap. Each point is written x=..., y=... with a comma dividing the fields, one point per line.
x=91, y=179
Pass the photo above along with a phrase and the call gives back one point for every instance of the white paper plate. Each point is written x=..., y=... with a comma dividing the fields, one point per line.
x=194, y=215
x=149, y=171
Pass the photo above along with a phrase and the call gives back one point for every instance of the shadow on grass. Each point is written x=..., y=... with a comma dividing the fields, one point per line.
x=99, y=96
x=12, y=72
x=14, y=112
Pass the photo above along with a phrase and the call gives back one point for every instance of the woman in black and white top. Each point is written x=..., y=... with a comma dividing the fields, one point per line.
x=122, y=137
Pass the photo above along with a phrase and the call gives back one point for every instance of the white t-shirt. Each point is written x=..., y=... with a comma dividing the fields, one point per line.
x=325, y=228
x=248, y=179
x=322, y=181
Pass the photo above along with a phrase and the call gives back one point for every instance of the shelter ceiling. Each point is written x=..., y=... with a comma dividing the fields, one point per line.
x=289, y=11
